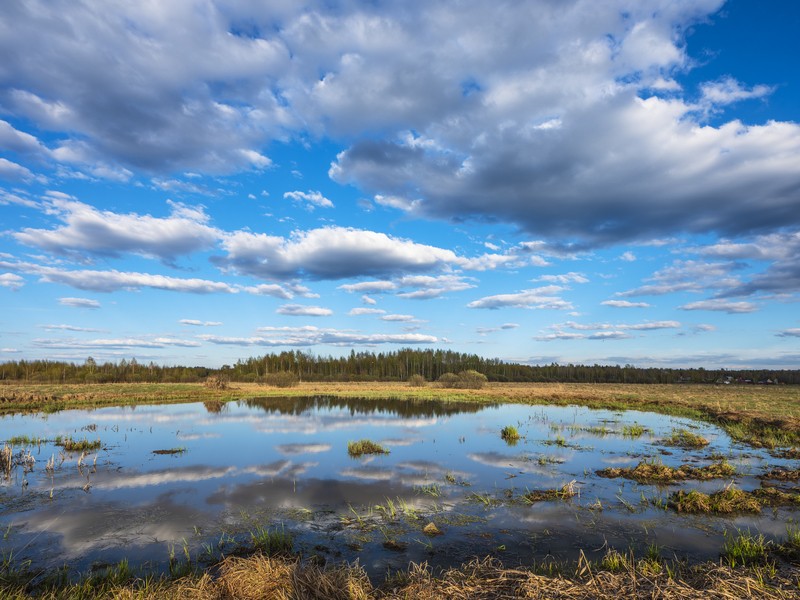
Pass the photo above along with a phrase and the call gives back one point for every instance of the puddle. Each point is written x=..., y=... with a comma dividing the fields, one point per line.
x=193, y=480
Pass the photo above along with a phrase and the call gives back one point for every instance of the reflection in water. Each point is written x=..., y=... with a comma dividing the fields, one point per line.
x=284, y=463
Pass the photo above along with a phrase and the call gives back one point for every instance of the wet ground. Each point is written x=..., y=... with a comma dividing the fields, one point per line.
x=193, y=482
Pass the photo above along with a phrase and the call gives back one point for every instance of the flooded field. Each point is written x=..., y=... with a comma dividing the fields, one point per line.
x=168, y=486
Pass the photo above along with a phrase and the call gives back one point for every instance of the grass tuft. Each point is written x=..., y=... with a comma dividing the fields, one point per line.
x=365, y=446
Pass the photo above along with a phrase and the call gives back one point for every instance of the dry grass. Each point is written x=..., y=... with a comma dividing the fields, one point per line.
x=260, y=577
x=657, y=472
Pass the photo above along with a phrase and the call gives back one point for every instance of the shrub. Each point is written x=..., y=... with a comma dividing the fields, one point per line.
x=216, y=383
x=416, y=381
x=282, y=379
x=472, y=379
x=449, y=380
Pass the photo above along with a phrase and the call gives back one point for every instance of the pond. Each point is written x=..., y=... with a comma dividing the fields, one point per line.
x=176, y=484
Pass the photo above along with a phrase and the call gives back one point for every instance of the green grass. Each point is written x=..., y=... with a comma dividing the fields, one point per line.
x=745, y=549
x=24, y=440
x=633, y=431
x=71, y=445
x=272, y=542
x=683, y=438
x=510, y=434
x=654, y=471
x=365, y=446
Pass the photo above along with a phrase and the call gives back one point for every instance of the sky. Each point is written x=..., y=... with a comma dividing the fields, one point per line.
x=198, y=181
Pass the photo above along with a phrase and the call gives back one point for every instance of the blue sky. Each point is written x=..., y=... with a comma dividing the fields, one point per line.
x=199, y=181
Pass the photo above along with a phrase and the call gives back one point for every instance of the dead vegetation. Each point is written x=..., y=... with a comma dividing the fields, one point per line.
x=648, y=471
x=260, y=577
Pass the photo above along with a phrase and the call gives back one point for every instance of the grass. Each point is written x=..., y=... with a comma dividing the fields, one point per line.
x=615, y=576
x=71, y=445
x=746, y=549
x=177, y=450
x=365, y=446
x=510, y=434
x=683, y=438
x=565, y=492
x=767, y=416
x=654, y=471
x=729, y=500
x=272, y=542
x=633, y=431
x=24, y=440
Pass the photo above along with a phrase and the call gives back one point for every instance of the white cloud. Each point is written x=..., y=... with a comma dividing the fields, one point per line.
x=79, y=302
x=366, y=311
x=627, y=256
x=330, y=253
x=789, y=333
x=538, y=298
x=90, y=230
x=717, y=304
x=69, y=328
x=565, y=278
x=14, y=172
x=298, y=310
x=11, y=281
x=114, y=343
x=624, y=304
x=313, y=199
x=399, y=318
x=310, y=336
x=197, y=323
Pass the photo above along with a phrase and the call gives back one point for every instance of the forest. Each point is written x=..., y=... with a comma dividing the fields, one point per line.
x=383, y=366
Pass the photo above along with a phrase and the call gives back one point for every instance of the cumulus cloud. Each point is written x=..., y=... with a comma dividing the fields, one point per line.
x=313, y=199
x=789, y=333
x=87, y=229
x=11, y=281
x=536, y=298
x=197, y=323
x=564, y=278
x=689, y=276
x=298, y=310
x=79, y=302
x=602, y=331
x=330, y=253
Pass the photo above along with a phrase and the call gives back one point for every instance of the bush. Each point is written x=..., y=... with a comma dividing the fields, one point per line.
x=282, y=379
x=449, y=380
x=472, y=379
x=216, y=383
x=416, y=381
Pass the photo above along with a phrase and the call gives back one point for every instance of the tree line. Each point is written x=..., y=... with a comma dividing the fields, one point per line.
x=383, y=366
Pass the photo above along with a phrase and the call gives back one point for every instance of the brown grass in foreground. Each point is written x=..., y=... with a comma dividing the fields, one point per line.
x=259, y=577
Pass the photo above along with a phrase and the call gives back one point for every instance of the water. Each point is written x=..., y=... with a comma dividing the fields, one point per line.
x=283, y=465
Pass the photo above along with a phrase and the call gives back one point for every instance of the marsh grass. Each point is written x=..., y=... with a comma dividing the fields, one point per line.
x=510, y=434
x=654, y=471
x=634, y=431
x=72, y=445
x=683, y=438
x=272, y=542
x=746, y=549
x=176, y=450
x=365, y=446
x=726, y=501
x=565, y=492
x=614, y=576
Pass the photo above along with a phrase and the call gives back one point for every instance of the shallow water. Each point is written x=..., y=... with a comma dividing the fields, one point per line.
x=282, y=464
